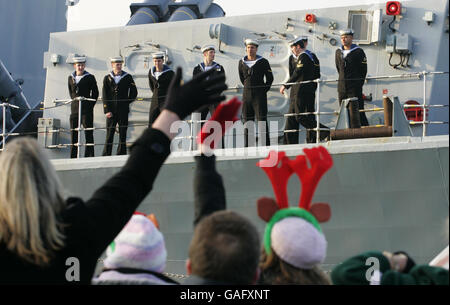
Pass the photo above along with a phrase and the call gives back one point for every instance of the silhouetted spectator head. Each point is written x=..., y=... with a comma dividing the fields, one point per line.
x=225, y=248
x=31, y=201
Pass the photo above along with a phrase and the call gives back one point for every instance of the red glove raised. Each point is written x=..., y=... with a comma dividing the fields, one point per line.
x=225, y=112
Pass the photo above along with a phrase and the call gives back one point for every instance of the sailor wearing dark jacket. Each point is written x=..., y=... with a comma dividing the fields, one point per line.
x=82, y=84
x=209, y=54
x=252, y=71
x=304, y=66
x=119, y=91
x=159, y=78
x=351, y=64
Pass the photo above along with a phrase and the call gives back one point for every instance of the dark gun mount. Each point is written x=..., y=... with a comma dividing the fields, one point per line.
x=156, y=11
x=11, y=92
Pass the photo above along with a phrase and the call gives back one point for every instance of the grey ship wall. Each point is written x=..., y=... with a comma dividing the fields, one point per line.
x=385, y=194
x=178, y=39
x=25, y=28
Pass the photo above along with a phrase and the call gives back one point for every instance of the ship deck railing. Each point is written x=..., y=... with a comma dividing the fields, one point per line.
x=195, y=123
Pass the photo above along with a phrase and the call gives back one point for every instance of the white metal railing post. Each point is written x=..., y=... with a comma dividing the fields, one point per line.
x=196, y=125
x=80, y=101
x=4, y=105
x=45, y=136
x=191, y=146
x=424, y=125
x=4, y=125
x=317, y=112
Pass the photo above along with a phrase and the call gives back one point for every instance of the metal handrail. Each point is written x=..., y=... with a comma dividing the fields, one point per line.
x=317, y=113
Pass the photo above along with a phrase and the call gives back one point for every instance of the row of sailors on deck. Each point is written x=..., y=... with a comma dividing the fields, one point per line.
x=255, y=74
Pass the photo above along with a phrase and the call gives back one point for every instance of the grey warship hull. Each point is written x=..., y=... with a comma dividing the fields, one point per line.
x=387, y=193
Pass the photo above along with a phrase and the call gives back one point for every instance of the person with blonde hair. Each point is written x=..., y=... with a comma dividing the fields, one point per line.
x=47, y=239
x=30, y=191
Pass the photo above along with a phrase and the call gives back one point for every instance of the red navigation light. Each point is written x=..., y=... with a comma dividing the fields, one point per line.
x=310, y=18
x=393, y=8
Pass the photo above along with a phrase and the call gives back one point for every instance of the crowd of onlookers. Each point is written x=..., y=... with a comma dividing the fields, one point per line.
x=40, y=229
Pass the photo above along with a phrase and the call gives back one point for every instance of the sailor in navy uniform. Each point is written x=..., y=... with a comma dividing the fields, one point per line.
x=118, y=92
x=82, y=84
x=303, y=66
x=209, y=54
x=351, y=64
x=159, y=78
x=252, y=71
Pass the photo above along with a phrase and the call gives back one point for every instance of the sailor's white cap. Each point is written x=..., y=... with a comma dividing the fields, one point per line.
x=158, y=55
x=346, y=32
x=208, y=47
x=116, y=59
x=251, y=42
x=296, y=40
x=79, y=59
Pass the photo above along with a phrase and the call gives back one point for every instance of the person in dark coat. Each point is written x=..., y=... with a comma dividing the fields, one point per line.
x=252, y=71
x=351, y=65
x=303, y=66
x=159, y=78
x=82, y=84
x=225, y=247
x=387, y=269
x=209, y=54
x=119, y=91
x=46, y=239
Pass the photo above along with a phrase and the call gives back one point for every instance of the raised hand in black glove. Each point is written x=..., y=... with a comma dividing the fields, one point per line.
x=200, y=91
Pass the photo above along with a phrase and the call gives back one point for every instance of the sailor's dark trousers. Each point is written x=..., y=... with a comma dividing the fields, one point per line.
x=87, y=120
x=111, y=123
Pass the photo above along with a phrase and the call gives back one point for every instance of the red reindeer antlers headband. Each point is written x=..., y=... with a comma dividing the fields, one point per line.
x=279, y=174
